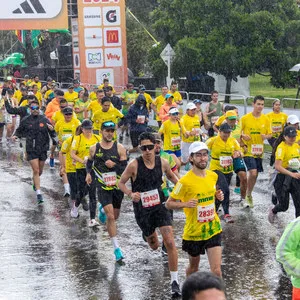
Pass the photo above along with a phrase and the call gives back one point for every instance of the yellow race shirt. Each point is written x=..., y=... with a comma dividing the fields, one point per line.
x=65, y=129
x=177, y=96
x=66, y=149
x=71, y=97
x=58, y=116
x=254, y=127
x=81, y=104
x=202, y=222
x=38, y=84
x=289, y=155
x=93, y=96
x=277, y=122
x=191, y=124
x=82, y=147
x=221, y=153
x=94, y=106
x=172, y=135
x=99, y=117
x=101, y=87
x=18, y=95
x=159, y=102
x=220, y=121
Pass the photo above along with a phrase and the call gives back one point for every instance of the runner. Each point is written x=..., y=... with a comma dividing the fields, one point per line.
x=36, y=129
x=196, y=191
x=148, y=199
x=95, y=105
x=106, y=84
x=108, y=160
x=277, y=121
x=202, y=116
x=287, y=182
x=158, y=102
x=116, y=101
x=288, y=253
x=71, y=96
x=224, y=149
x=81, y=105
x=255, y=128
x=148, y=97
x=164, y=110
x=214, y=109
x=66, y=128
x=79, y=152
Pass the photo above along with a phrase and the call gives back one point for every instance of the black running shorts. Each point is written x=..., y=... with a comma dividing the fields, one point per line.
x=113, y=197
x=41, y=156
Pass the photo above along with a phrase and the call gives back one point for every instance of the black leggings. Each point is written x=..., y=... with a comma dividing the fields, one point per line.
x=83, y=189
x=284, y=186
x=223, y=184
x=72, y=179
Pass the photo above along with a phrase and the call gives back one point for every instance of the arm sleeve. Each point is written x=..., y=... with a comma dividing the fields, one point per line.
x=12, y=110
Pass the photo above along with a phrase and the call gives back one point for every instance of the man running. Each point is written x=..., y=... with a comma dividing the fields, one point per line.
x=36, y=129
x=197, y=192
x=108, y=160
x=148, y=199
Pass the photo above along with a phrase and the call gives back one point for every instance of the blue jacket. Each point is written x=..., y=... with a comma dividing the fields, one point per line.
x=136, y=112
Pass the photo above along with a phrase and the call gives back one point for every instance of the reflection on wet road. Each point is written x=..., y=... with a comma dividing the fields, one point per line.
x=47, y=255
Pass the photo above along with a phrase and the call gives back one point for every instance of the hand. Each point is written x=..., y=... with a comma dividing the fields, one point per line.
x=88, y=178
x=214, y=110
x=62, y=171
x=110, y=164
x=50, y=127
x=263, y=136
x=135, y=197
x=85, y=160
x=219, y=195
x=236, y=154
x=246, y=137
x=192, y=203
x=14, y=138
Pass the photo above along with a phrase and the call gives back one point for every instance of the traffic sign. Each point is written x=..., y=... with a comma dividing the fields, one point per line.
x=167, y=53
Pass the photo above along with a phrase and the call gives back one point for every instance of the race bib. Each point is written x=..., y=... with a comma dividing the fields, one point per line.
x=206, y=213
x=175, y=141
x=257, y=149
x=65, y=136
x=150, y=198
x=294, y=164
x=110, y=178
x=276, y=128
x=214, y=119
x=226, y=161
x=141, y=119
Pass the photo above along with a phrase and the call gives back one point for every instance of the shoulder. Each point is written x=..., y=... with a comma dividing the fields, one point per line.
x=212, y=175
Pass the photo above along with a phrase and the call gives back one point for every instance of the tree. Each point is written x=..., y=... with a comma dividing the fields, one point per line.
x=230, y=37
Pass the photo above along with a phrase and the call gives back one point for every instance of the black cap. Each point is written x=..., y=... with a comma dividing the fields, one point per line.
x=141, y=98
x=108, y=125
x=71, y=86
x=290, y=131
x=87, y=124
x=197, y=101
x=225, y=128
x=67, y=110
x=49, y=79
x=76, y=81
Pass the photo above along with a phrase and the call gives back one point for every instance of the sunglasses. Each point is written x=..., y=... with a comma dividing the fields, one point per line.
x=109, y=130
x=68, y=114
x=62, y=107
x=147, y=147
x=174, y=114
x=34, y=107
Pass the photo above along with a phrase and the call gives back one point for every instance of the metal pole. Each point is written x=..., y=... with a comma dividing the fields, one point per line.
x=169, y=70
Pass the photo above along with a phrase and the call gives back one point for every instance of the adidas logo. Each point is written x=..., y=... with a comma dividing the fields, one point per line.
x=30, y=7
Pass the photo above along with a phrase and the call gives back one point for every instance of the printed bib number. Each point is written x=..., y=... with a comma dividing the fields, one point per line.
x=257, y=149
x=276, y=128
x=206, y=213
x=110, y=178
x=150, y=198
x=294, y=164
x=214, y=119
x=226, y=161
x=175, y=141
x=141, y=119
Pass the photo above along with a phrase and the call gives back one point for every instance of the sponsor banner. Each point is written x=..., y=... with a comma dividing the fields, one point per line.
x=112, y=36
x=93, y=37
x=34, y=15
x=92, y=16
x=94, y=58
x=104, y=74
x=111, y=16
x=113, y=57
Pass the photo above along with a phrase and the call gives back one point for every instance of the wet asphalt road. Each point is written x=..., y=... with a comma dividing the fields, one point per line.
x=45, y=254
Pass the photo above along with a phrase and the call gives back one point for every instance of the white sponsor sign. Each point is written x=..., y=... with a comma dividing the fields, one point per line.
x=92, y=16
x=111, y=16
x=104, y=74
x=113, y=57
x=93, y=37
x=31, y=9
x=94, y=58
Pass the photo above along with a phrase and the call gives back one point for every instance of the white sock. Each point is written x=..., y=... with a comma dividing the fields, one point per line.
x=38, y=192
x=67, y=187
x=115, y=243
x=174, y=276
x=102, y=210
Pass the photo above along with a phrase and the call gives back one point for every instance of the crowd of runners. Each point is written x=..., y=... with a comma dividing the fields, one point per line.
x=187, y=162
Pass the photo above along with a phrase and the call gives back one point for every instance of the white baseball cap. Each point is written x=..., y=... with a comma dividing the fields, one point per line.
x=292, y=119
x=197, y=146
x=173, y=110
x=190, y=105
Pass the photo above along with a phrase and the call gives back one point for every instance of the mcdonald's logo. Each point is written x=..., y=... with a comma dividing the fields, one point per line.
x=112, y=36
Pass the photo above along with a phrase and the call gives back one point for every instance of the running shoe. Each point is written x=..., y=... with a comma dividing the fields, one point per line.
x=39, y=198
x=85, y=205
x=118, y=254
x=51, y=162
x=228, y=218
x=249, y=201
x=74, y=211
x=101, y=215
x=175, y=289
x=274, y=199
x=271, y=216
x=66, y=194
x=237, y=190
x=164, y=251
x=93, y=223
